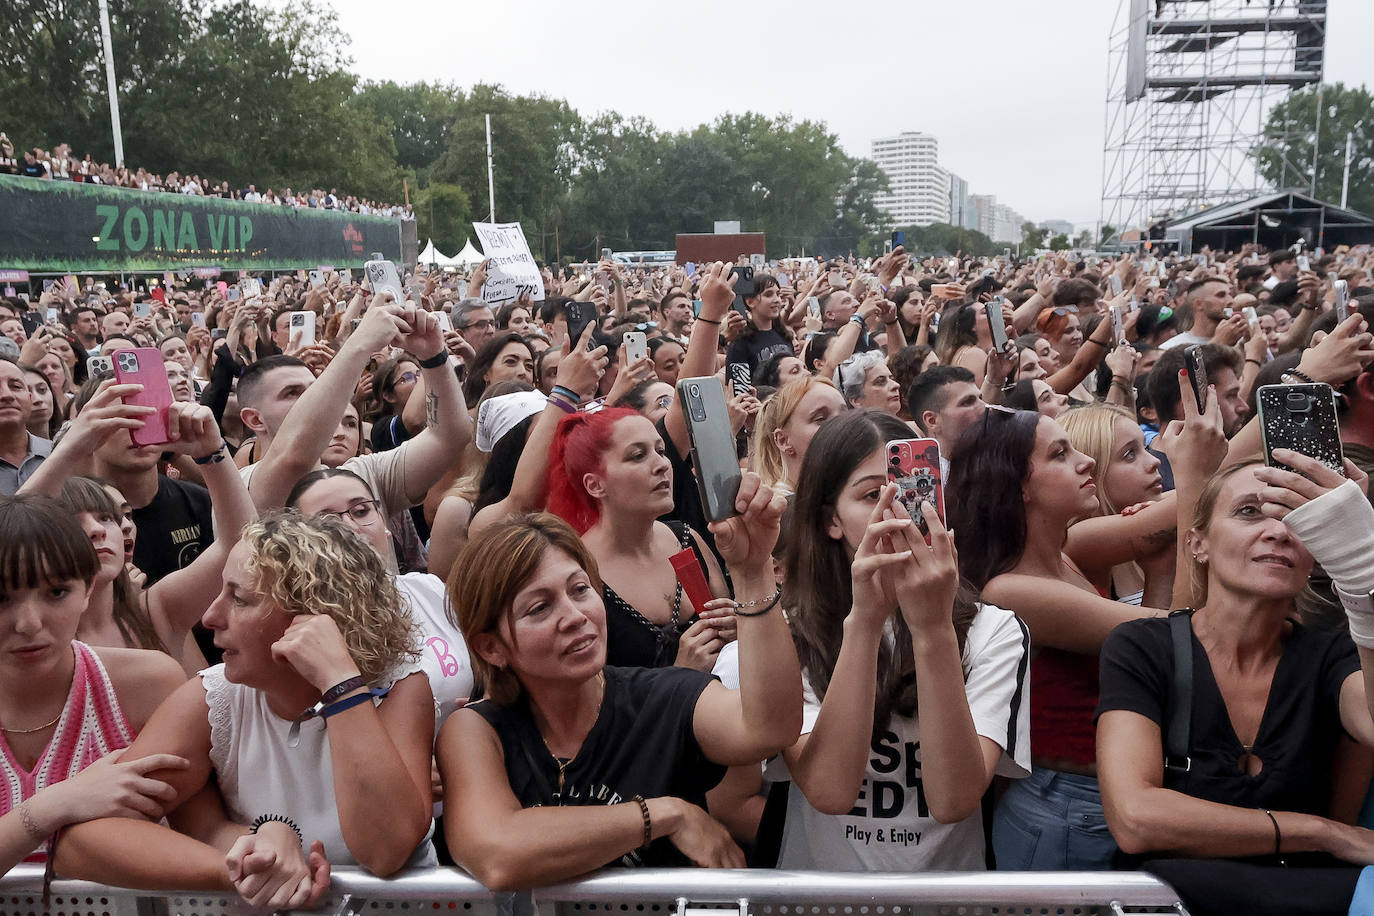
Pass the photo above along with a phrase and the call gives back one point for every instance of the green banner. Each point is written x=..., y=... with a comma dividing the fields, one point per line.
x=72, y=227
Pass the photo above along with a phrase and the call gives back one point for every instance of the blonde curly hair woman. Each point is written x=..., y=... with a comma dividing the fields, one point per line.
x=294, y=725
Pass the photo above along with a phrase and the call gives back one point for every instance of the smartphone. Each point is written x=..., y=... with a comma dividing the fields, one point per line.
x=234, y=294
x=142, y=310
x=696, y=307
x=693, y=578
x=605, y=254
x=740, y=376
x=744, y=286
x=51, y=317
x=197, y=319
x=1118, y=325
x=218, y=334
x=96, y=365
x=1342, y=290
x=914, y=466
x=302, y=327
x=997, y=325
x=445, y=323
x=353, y=325
x=251, y=287
x=1304, y=264
x=898, y=238
x=1197, y=375
x=813, y=308
x=836, y=279
x=1251, y=316
x=143, y=366
x=1303, y=418
x=636, y=347
x=1115, y=281
x=317, y=279
x=578, y=315
x=381, y=273
x=713, y=444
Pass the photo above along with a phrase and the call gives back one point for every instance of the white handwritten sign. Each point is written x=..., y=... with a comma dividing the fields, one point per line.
x=512, y=271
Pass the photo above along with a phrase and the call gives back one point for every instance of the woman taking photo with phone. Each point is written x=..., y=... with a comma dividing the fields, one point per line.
x=1245, y=775
x=609, y=478
x=631, y=751
x=1023, y=502
x=913, y=690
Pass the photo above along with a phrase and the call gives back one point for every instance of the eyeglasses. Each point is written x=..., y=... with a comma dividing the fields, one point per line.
x=410, y=376
x=360, y=513
x=664, y=401
x=484, y=323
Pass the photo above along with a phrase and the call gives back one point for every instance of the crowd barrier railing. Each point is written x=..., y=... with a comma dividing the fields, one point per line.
x=673, y=892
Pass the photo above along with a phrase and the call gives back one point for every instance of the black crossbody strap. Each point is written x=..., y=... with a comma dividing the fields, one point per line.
x=1176, y=736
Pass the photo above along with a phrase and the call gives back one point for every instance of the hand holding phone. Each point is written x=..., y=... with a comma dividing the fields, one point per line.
x=144, y=366
x=1197, y=375
x=718, y=473
x=914, y=466
x=1301, y=418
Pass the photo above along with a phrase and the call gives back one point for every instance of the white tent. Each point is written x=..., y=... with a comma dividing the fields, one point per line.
x=469, y=256
x=432, y=257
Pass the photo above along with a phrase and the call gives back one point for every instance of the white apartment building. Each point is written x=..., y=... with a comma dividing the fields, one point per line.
x=919, y=188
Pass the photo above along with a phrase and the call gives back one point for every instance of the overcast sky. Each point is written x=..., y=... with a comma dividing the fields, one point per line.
x=1014, y=90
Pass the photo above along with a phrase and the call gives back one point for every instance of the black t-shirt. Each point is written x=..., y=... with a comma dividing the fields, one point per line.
x=32, y=170
x=388, y=432
x=635, y=641
x=752, y=350
x=641, y=744
x=173, y=529
x=1297, y=735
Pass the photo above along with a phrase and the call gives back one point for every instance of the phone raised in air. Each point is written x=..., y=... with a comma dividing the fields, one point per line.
x=144, y=366
x=713, y=444
x=1342, y=290
x=744, y=286
x=1197, y=375
x=578, y=315
x=636, y=346
x=381, y=273
x=914, y=466
x=302, y=328
x=997, y=325
x=1301, y=418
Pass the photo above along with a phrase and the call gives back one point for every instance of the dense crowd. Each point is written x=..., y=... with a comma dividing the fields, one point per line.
x=61, y=164
x=443, y=580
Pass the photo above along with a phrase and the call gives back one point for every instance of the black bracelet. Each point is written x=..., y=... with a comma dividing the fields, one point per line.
x=1302, y=375
x=1255, y=361
x=341, y=688
x=214, y=457
x=1278, y=837
x=1098, y=342
x=279, y=818
x=435, y=361
x=707, y=320
x=648, y=824
x=777, y=596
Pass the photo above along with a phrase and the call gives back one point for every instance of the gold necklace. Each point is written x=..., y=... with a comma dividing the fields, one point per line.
x=36, y=728
x=564, y=762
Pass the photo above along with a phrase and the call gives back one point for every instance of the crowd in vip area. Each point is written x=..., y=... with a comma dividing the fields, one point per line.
x=61, y=164
x=434, y=580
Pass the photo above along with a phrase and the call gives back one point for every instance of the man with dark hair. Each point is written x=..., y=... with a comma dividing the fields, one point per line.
x=21, y=452
x=1283, y=265
x=474, y=319
x=1224, y=368
x=675, y=314
x=553, y=321
x=944, y=401
x=84, y=321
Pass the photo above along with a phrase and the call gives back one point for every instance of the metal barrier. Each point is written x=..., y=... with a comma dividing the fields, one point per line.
x=681, y=892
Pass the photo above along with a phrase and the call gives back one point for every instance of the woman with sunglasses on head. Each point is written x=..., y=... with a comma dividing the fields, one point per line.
x=1078, y=356
x=632, y=751
x=609, y=478
x=66, y=709
x=1023, y=502
x=912, y=689
x=309, y=746
x=1235, y=809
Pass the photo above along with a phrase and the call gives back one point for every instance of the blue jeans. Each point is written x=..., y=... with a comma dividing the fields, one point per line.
x=1052, y=821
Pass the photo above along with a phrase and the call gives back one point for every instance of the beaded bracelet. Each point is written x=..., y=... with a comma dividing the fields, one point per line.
x=648, y=823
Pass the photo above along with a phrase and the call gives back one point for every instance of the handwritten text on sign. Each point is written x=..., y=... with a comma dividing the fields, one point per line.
x=512, y=271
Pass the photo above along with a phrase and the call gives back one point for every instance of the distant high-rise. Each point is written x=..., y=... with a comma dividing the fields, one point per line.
x=958, y=202
x=919, y=188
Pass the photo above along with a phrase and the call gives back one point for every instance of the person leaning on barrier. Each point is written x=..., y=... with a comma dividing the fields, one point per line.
x=1246, y=774
x=634, y=750
x=308, y=612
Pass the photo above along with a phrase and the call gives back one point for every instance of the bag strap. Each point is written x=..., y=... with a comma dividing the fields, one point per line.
x=1176, y=736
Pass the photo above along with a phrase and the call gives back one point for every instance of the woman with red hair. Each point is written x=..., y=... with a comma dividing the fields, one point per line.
x=610, y=478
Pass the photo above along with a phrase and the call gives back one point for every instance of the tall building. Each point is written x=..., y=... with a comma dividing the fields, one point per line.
x=958, y=201
x=919, y=189
x=1058, y=227
x=983, y=214
x=1007, y=225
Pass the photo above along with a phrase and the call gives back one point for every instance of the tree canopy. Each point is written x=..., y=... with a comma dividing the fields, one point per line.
x=1284, y=156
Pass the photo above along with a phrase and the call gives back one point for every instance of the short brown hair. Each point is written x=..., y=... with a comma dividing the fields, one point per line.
x=1202, y=523
x=492, y=569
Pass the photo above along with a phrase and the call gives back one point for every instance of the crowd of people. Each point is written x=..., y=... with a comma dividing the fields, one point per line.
x=61, y=164
x=435, y=580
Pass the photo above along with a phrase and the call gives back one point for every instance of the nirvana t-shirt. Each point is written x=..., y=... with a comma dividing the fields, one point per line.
x=641, y=744
x=1297, y=735
x=173, y=529
x=890, y=827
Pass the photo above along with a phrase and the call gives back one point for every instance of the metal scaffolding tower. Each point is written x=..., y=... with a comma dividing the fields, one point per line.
x=1190, y=83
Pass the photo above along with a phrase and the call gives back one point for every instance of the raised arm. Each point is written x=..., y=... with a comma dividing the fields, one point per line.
x=1089, y=354
x=447, y=426
x=717, y=291
x=104, y=415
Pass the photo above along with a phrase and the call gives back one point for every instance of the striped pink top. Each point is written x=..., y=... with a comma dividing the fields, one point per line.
x=92, y=724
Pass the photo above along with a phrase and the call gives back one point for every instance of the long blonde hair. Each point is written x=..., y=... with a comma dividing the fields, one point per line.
x=319, y=565
x=1090, y=431
x=774, y=415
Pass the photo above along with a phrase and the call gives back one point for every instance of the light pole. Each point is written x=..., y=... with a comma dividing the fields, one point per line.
x=110, y=84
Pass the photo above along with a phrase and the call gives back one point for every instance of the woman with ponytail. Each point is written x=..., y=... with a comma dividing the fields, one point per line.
x=610, y=479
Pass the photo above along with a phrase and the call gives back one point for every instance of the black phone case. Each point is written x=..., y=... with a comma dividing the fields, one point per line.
x=578, y=315
x=1197, y=375
x=1301, y=418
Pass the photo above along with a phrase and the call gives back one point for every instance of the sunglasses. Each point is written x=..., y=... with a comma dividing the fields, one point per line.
x=1062, y=310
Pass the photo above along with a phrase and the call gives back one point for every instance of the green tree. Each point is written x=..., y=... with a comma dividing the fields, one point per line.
x=444, y=213
x=1105, y=234
x=1033, y=237
x=1084, y=239
x=858, y=223
x=1284, y=157
x=420, y=116
x=1060, y=243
